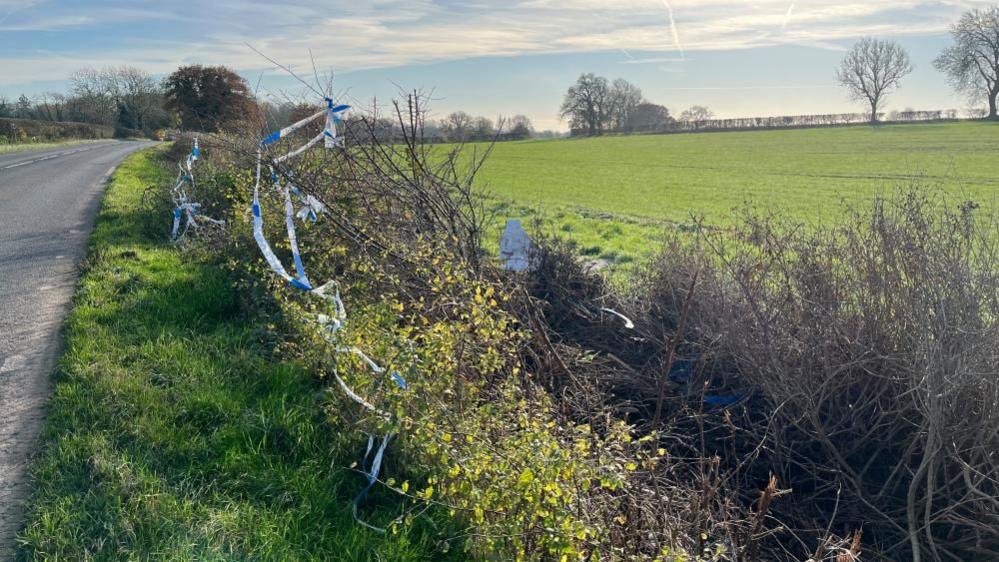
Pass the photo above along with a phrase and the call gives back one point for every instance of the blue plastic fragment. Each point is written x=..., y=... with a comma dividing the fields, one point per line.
x=723, y=401
x=399, y=381
x=273, y=138
x=682, y=370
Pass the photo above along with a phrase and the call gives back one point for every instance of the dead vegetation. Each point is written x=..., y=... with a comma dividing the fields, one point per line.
x=857, y=363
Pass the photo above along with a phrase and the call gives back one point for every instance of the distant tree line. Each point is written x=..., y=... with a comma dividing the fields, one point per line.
x=802, y=121
x=870, y=72
x=215, y=98
x=133, y=102
x=462, y=127
x=123, y=97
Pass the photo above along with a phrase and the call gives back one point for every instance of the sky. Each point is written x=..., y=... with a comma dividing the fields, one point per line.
x=487, y=57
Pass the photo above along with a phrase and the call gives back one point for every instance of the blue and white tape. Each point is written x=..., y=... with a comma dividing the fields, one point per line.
x=329, y=325
x=371, y=474
x=183, y=206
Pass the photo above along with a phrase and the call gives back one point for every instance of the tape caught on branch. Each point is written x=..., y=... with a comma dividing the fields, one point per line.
x=183, y=206
x=312, y=206
x=371, y=474
x=328, y=325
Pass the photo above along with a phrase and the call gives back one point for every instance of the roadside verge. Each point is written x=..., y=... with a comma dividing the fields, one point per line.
x=173, y=434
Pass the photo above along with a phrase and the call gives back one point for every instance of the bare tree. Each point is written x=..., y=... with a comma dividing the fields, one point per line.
x=587, y=104
x=972, y=63
x=483, y=128
x=94, y=99
x=872, y=69
x=137, y=93
x=625, y=99
x=519, y=127
x=697, y=113
x=24, y=109
x=457, y=126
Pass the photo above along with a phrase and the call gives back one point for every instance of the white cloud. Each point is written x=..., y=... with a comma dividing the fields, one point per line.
x=354, y=35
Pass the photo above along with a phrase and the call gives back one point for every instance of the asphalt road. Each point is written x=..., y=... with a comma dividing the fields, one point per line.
x=48, y=201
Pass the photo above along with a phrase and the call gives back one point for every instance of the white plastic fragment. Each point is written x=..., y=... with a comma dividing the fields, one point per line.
x=515, y=247
x=627, y=321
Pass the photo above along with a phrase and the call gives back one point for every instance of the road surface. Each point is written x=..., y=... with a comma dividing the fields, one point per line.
x=48, y=201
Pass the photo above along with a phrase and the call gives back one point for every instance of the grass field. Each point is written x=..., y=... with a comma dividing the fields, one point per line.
x=174, y=435
x=611, y=193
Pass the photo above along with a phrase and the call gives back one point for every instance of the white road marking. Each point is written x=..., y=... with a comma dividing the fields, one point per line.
x=50, y=157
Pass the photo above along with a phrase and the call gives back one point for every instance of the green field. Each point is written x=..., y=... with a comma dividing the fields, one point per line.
x=641, y=182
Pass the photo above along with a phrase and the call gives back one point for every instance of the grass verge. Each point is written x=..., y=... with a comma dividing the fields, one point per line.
x=172, y=434
x=22, y=147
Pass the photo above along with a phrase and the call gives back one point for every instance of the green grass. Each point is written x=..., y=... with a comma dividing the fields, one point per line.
x=173, y=436
x=21, y=147
x=578, y=185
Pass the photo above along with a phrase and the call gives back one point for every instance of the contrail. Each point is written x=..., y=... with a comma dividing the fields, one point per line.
x=672, y=27
x=787, y=16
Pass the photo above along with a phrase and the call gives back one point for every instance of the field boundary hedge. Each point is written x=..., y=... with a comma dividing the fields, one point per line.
x=18, y=131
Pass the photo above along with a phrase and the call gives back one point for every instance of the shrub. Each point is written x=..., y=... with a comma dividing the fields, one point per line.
x=861, y=359
x=476, y=435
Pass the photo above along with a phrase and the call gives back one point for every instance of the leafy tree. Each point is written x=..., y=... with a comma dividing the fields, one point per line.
x=972, y=63
x=872, y=69
x=6, y=109
x=649, y=117
x=587, y=104
x=209, y=98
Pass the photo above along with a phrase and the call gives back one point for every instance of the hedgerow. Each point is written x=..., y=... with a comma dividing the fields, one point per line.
x=476, y=434
x=737, y=420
